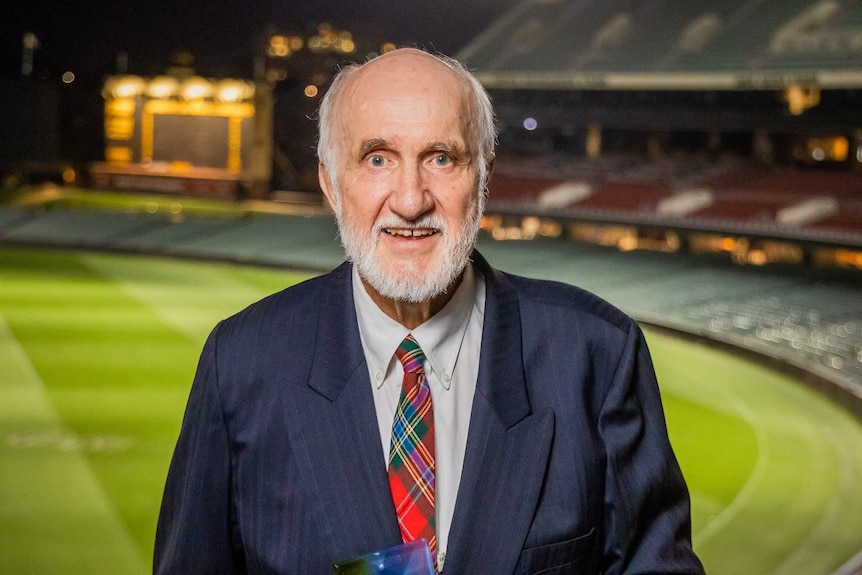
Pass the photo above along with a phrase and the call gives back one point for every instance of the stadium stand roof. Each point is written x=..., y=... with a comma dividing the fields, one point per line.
x=672, y=45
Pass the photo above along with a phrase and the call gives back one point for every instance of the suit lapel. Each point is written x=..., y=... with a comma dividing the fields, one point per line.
x=507, y=446
x=339, y=428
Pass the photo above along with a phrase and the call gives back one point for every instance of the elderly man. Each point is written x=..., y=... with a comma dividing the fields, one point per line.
x=417, y=392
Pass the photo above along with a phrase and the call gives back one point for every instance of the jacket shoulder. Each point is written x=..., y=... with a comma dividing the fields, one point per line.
x=288, y=305
x=576, y=300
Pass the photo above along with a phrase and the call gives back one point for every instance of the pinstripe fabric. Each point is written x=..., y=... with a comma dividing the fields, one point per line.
x=281, y=444
x=411, y=452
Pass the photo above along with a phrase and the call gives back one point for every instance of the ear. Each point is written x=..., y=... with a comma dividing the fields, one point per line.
x=326, y=186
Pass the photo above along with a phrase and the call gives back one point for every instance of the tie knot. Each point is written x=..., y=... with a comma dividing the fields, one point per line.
x=410, y=355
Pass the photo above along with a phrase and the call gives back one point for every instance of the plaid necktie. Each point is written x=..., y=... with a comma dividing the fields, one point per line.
x=411, y=453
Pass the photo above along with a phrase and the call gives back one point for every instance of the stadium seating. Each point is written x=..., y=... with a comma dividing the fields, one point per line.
x=506, y=187
x=744, y=206
x=624, y=196
x=813, y=321
x=848, y=218
x=9, y=219
x=79, y=227
x=740, y=193
x=793, y=182
x=667, y=36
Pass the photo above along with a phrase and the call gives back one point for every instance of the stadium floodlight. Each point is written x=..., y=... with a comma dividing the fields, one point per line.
x=162, y=87
x=231, y=90
x=123, y=87
x=196, y=88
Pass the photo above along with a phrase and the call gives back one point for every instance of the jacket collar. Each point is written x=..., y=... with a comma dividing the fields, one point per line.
x=507, y=445
x=501, y=366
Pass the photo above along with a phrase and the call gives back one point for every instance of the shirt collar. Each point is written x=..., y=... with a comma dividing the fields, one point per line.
x=440, y=337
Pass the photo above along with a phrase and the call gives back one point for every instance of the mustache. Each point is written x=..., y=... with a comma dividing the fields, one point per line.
x=433, y=221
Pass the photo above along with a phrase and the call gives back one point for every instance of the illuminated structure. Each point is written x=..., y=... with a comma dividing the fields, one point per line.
x=186, y=134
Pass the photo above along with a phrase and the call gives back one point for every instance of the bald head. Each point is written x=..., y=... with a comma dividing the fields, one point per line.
x=406, y=72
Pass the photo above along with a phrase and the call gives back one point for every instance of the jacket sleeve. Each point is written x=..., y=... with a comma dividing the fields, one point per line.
x=196, y=532
x=647, y=509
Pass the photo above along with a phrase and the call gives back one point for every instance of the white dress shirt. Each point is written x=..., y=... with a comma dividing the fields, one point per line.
x=450, y=340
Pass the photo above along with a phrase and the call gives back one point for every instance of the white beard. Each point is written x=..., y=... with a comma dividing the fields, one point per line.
x=410, y=283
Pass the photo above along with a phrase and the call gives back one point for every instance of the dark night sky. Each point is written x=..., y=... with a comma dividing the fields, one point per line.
x=85, y=36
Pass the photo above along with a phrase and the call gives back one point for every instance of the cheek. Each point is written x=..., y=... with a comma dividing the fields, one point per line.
x=461, y=202
x=361, y=200
x=361, y=212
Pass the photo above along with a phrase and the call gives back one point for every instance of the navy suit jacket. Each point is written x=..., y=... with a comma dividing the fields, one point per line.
x=568, y=468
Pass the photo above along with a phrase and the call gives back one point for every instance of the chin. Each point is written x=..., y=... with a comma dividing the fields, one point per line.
x=414, y=284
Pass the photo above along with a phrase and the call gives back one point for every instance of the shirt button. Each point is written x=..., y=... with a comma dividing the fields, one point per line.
x=378, y=376
x=446, y=377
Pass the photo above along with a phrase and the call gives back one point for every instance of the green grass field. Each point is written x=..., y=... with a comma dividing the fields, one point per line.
x=97, y=354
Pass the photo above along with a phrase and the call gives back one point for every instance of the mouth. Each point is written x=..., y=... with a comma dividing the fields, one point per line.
x=411, y=232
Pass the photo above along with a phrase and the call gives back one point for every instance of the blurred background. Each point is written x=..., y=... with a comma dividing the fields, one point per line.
x=698, y=164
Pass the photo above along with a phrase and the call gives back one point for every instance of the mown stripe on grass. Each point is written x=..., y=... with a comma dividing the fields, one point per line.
x=112, y=371
x=189, y=296
x=839, y=438
x=749, y=417
x=808, y=460
x=54, y=516
x=184, y=295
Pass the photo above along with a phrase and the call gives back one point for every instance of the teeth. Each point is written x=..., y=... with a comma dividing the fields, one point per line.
x=408, y=232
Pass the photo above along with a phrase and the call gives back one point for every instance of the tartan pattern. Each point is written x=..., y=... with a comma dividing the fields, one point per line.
x=411, y=451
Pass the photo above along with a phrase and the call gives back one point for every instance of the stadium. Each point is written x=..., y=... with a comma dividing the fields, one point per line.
x=651, y=153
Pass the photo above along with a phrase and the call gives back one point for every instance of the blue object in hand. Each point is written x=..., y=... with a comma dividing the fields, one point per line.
x=412, y=558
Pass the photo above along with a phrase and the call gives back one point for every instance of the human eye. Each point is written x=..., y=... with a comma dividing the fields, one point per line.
x=441, y=160
x=376, y=160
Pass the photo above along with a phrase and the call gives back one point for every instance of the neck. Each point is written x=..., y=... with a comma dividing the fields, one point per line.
x=410, y=314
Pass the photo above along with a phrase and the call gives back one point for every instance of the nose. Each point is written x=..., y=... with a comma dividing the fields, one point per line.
x=410, y=197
